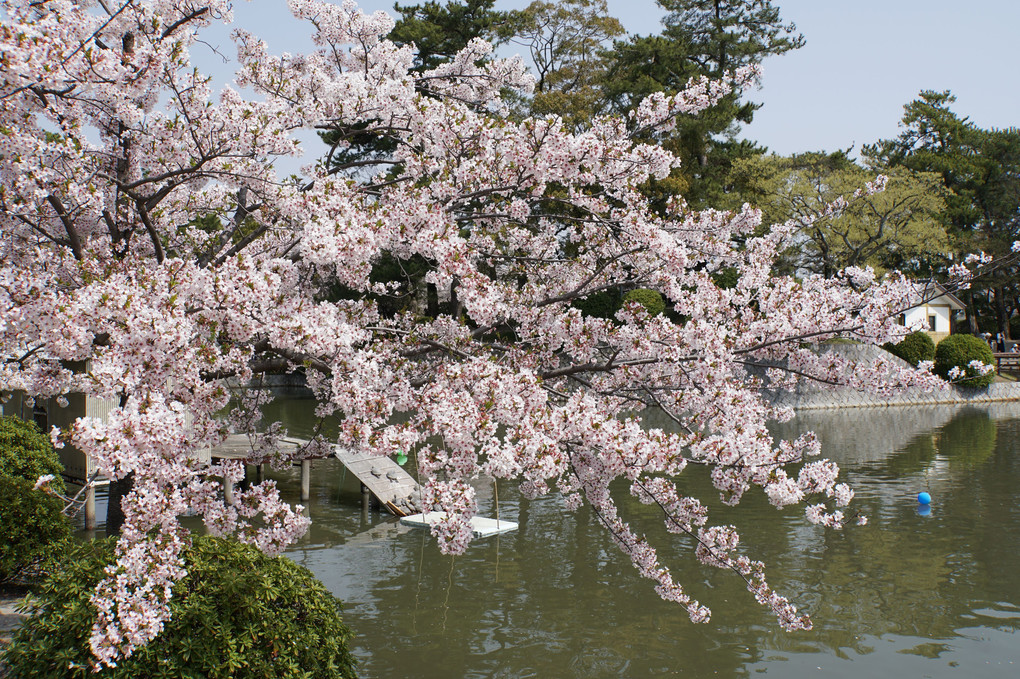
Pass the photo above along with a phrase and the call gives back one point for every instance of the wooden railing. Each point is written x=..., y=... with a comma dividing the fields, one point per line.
x=1007, y=362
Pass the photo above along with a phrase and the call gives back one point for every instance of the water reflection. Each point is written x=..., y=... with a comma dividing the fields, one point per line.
x=917, y=595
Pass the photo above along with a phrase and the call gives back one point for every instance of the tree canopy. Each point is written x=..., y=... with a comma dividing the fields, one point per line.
x=701, y=38
x=980, y=168
x=567, y=43
x=897, y=228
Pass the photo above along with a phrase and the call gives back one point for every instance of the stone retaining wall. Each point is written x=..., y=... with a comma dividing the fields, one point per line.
x=849, y=398
x=812, y=396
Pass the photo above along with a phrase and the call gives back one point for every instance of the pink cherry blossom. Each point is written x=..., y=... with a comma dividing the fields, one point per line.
x=151, y=253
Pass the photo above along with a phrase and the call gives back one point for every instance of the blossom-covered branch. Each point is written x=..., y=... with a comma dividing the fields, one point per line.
x=147, y=237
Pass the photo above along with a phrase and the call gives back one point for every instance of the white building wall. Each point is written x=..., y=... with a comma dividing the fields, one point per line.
x=920, y=317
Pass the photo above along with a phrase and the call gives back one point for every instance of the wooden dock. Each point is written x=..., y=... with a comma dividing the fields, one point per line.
x=392, y=486
x=381, y=477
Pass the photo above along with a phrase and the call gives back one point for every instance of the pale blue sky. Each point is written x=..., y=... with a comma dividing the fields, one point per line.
x=864, y=59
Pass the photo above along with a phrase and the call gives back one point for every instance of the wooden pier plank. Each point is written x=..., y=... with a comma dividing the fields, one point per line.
x=390, y=483
x=385, y=479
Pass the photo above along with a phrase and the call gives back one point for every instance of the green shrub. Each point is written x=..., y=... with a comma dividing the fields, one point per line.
x=237, y=614
x=726, y=278
x=958, y=351
x=602, y=304
x=27, y=453
x=650, y=299
x=914, y=348
x=32, y=526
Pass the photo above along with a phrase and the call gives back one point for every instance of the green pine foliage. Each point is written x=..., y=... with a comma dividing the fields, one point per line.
x=959, y=351
x=914, y=348
x=238, y=614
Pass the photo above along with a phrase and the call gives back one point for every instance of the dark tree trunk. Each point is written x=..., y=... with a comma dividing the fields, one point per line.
x=455, y=306
x=431, y=300
x=115, y=511
x=1001, y=315
x=972, y=323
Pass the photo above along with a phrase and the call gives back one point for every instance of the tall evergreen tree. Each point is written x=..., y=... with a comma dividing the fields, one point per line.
x=701, y=38
x=438, y=31
x=567, y=43
x=981, y=169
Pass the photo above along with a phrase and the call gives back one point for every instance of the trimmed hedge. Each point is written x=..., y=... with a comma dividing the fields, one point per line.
x=650, y=299
x=914, y=348
x=237, y=614
x=959, y=351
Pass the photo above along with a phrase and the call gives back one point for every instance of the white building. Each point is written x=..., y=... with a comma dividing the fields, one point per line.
x=934, y=316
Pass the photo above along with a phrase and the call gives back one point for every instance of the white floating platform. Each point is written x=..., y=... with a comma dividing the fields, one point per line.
x=481, y=526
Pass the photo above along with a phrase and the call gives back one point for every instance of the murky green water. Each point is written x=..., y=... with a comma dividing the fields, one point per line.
x=909, y=595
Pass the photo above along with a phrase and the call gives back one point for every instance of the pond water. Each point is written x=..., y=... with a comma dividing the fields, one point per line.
x=914, y=593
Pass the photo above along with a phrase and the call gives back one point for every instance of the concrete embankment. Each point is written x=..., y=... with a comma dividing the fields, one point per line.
x=812, y=396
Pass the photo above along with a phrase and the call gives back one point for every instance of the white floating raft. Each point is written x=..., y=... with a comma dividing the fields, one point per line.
x=481, y=526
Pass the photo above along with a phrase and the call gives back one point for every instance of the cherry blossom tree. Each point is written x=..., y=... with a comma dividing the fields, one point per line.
x=147, y=236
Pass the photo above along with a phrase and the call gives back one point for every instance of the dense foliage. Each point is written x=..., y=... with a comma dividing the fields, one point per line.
x=898, y=228
x=959, y=352
x=31, y=521
x=238, y=615
x=649, y=299
x=27, y=453
x=603, y=304
x=980, y=169
x=32, y=525
x=914, y=348
x=700, y=38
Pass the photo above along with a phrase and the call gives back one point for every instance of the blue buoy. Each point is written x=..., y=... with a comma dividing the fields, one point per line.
x=924, y=498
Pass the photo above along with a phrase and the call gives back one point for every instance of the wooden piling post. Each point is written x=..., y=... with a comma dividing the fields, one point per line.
x=260, y=472
x=306, y=477
x=228, y=491
x=90, y=508
x=366, y=498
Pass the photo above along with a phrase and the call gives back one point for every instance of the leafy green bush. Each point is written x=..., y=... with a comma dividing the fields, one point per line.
x=32, y=527
x=31, y=522
x=27, y=453
x=958, y=351
x=726, y=278
x=914, y=348
x=650, y=299
x=602, y=304
x=237, y=614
